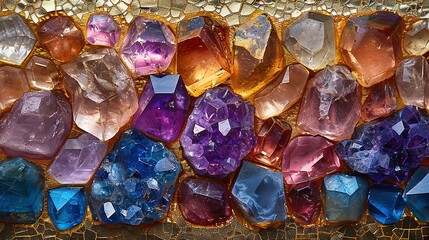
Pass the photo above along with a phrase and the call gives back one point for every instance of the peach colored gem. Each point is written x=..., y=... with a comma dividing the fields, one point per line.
x=13, y=85
x=381, y=101
x=41, y=73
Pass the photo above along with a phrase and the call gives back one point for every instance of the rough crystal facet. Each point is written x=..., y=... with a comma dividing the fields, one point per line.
x=42, y=74
x=13, y=85
x=380, y=102
x=304, y=202
x=416, y=194
x=385, y=203
x=66, y=206
x=416, y=40
x=102, y=30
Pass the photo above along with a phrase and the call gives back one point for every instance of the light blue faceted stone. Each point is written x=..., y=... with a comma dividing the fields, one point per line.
x=416, y=194
x=259, y=194
x=21, y=191
x=385, y=203
x=345, y=197
x=66, y=206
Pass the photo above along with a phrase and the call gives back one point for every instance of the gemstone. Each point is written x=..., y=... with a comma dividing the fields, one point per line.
x=21, y=191
x=42, y=74
x=163, y=107
x=103, y=94
x=16, y=39
x=148, y=47
x=135, y=182
x=219, y=133
x=258, y=56
x=204, y=59
x=259, y=194
x=66, y=206
x=203, y=202
x=389, y=148
x=281, y=94
x=307, y=158
x=385, y=203
x=271, y=141
x=344, y=197
x=380, y=102
x=61, y=38
x=37, y=125
x=371, y=46
x=416, y=40
x=304, y=202
x=13, y=85
x=102, y=30
x=78, y=159
x=327, y=95
x=416, y=194
x=311, y=40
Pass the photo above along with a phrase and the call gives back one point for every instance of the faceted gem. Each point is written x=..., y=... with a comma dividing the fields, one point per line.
x=148, y=47
x=203, y=53
x=103, y=93
x=416, y=40
x=37, y=126
x=311, y=40
x=21, y=191
x=259, y=194
x=271, y=142
x=258, y=56
x=163, y=107
x=135, y=182
x=385, y=203
x=344, y=197
x=61, y=38
x=327, y=95
x=389, y=148
x=42, y=74
x=16, y=39
x=371, y=46
x=66, y=206
x=304, y=202
x=380, y=102
x=416, y=194
x=281, y=94
x=204, y=202
x=307, y=158
x=219, y=133
x=78, y=159
x=102, y=30
x=13, y=85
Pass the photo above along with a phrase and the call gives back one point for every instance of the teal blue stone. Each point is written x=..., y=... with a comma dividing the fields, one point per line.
x=66, y=206
x=385, y=203
x=21, y=191
x=345, y=197
x=416, y=194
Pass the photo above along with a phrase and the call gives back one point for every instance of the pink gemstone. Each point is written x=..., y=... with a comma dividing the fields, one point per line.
x=307, y=158
x=304, y=202
x=102, y=30
x=381, y=101
x=13, y=85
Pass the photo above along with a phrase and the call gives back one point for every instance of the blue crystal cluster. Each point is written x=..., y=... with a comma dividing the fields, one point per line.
x=416, y=194
x=385, y=203
x=66, y=206
x=135, y=182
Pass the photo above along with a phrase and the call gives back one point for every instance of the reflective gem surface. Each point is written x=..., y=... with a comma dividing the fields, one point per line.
x=42, y=74
x=416, y=40
x=102, y=30
x=416, y=194
x=13, y=85
x=380, y=102
x=385, y=203
x=304, y=202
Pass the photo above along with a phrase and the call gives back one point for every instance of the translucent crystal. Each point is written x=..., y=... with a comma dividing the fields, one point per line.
x=13, y=85
x=416, y=40
x=41, y=73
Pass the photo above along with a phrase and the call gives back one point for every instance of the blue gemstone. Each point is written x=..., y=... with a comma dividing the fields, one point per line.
x=416, y=194
x=385, y=203
x=259, y=194
x=345, y=197
x=21, y=191
x=66, y=206
x=135, y=183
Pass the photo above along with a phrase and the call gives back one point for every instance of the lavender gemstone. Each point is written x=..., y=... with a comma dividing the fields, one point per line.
x=163, y=107
x=102, y=30
x=219, y=133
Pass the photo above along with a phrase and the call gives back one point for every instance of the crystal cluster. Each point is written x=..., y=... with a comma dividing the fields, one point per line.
x=66, y=206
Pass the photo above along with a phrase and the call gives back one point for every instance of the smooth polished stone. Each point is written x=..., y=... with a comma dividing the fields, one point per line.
x=327, y=95
x=380, y=102
x=416, y=40
x=102, y=103
x=258, y=56
x=21, y=191
x=78, y=159
x=259, y=194
x=385, y=203
x=204, y=202
x=204, y=58
x=304, y=202
x=148, y=47
x=311, y=40
x=102, y=30
x=66, y=206
x=37, y=126
x=219, y=133
x=42, y=74
x=13, y=84
x=416, y=194
x=307, y=158
x=371, y=46
x=344, y=197
x=163, y=107
x=61, y=38
x=135, y=183
x=281, y=94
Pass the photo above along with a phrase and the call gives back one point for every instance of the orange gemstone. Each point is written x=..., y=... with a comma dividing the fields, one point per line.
x=13, y=85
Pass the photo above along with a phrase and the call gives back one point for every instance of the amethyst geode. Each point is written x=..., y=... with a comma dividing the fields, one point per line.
x=219, y=133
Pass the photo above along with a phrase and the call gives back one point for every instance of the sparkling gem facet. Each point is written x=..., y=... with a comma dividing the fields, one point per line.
x=304, y=202
x=13, y=85
x=42, y=74
x=385, y=203
x=416, y=194
x=380, y=102
x=102, y=30
x=416, y=40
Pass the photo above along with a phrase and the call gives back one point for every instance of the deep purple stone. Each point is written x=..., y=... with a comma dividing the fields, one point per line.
x=304, y=202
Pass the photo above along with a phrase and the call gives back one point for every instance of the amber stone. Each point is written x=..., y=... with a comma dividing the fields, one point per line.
x=381, y=101
x=42, y=74
x=13, y=85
